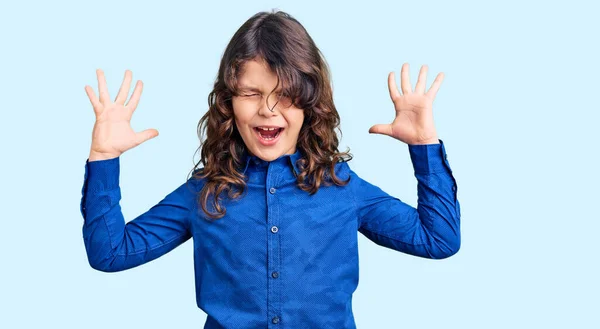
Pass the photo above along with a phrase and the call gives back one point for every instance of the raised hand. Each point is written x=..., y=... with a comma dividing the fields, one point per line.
x=414, y=110
x=112, y=134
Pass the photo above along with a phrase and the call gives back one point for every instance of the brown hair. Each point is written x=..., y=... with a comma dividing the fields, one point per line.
x=282, y=42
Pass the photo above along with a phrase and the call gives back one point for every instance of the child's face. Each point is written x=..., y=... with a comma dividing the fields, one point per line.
x=251, y=111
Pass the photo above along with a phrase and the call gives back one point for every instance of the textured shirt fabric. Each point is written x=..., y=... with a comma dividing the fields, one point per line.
x=280, y=258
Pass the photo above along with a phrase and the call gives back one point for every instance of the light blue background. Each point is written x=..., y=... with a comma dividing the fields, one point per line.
x=518, y=112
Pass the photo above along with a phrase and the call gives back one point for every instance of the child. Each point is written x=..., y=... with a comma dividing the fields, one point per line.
x=275, y=209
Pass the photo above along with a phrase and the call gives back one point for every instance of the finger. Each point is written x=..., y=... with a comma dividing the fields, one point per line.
x=146, y=135
x=422, y=81
x=124, y=90
x=93, y=99
x=102, y=88
x=394, y=93
x=385, y=129
x=135, y=97
x=435, y=86
x=405, y=80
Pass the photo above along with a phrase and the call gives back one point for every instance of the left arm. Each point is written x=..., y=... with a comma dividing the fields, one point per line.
x=432, y=230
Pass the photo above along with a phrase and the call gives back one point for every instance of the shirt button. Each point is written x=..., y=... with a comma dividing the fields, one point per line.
x=275, y=320
x=275, y=274
x=274, y=229
x=272, y=190
x=453, y=187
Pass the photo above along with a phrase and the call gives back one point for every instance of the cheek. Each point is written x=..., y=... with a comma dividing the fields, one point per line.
x=242, y=114
x=298, y=120
x=295, y=124
x=239, y=120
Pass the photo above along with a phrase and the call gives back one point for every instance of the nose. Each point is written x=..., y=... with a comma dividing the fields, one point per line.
x=270, y=109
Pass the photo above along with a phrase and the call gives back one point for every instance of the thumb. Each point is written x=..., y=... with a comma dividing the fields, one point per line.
x=385, y=129
x=146, y=135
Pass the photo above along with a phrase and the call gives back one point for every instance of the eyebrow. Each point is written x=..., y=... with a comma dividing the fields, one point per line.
x=251, y=88
x=248, y=88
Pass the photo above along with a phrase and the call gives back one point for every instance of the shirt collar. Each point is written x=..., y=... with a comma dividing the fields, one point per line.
x=289, y=159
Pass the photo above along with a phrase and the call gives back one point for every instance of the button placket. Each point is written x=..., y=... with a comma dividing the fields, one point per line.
x=274, y=243
x=447, y=164
x=454, y=184
x=83, y=190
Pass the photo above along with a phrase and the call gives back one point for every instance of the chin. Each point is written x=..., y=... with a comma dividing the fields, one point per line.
x=268, y=154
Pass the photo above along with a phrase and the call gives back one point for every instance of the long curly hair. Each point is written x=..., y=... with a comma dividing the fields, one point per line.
x=283, y=43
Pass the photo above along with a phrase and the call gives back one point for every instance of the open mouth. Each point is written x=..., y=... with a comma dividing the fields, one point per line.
x=268, y=136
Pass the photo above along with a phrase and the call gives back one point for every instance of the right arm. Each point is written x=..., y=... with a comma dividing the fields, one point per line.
x=113, y=245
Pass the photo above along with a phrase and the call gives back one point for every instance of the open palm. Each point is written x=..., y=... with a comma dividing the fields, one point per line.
x=112, y=134
x=413, y=123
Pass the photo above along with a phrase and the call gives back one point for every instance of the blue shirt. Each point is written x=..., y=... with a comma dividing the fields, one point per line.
x=280, y=258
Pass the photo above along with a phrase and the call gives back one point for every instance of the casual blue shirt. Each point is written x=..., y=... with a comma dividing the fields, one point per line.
x=280, y=258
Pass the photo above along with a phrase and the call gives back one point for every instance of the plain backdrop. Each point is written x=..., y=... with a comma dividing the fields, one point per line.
x=518, y=112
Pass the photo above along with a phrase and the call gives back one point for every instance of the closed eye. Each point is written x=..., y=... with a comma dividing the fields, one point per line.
x=250, y=95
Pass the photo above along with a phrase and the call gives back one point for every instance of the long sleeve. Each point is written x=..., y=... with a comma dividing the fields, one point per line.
x=432, y=230
x=112, y=244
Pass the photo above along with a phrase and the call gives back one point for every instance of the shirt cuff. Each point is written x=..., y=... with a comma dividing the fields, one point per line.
x=429, y=158
x=102, y=175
